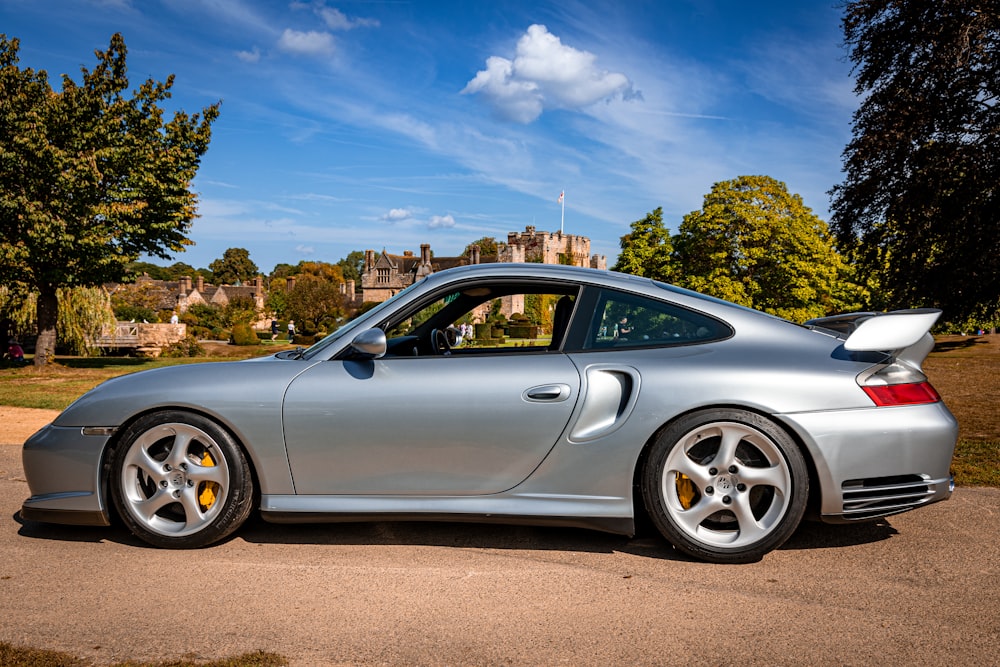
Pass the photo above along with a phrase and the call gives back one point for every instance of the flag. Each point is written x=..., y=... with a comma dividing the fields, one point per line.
x=560, y=200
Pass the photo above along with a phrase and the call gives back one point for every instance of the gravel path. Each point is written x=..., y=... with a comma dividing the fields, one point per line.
x=917, y=589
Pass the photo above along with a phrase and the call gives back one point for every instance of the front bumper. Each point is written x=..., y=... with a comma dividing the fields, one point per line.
x=876, y=462
x=63, y=469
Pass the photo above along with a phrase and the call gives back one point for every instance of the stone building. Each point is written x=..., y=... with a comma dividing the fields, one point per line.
x=181, y=294
x=384, y=274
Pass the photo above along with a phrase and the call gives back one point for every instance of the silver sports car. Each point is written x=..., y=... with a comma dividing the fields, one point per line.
x=521, y=393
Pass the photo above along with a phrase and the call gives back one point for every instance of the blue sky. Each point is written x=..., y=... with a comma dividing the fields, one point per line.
x=390, y=123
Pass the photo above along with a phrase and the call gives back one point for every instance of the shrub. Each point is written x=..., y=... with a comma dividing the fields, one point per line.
x=243, y=334
x=188, y=347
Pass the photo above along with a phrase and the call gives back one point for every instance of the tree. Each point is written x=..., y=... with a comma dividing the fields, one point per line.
x=84, y=313
x=920, y=202
x=755, y=244
x=646, y=250
x=488, y=246
x=352, y=266
x=90, y=177
x=324, y=270
x=154, y=271
x=283, y=270
x=234, y=266
x=314, y=303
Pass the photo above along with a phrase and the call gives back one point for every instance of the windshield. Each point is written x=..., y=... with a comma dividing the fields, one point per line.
x=350, y=325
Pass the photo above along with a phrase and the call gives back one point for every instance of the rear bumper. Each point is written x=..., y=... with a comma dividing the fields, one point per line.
x=876, y=462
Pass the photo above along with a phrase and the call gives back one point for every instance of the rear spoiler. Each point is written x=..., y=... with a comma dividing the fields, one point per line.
x=902, y=333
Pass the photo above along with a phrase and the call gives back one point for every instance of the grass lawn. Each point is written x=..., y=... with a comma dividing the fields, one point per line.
x=19, y=656
x=966, y=372
x=964, y=369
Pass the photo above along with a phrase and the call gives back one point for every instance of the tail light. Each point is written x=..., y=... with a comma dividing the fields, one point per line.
x=898, y=384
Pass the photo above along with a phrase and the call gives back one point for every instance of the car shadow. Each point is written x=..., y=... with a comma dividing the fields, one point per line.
x=37, y=530
x=961, y=344
x=817, y=535
x=648, y=544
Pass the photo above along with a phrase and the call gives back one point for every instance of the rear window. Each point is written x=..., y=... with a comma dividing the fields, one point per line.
x=632, y=320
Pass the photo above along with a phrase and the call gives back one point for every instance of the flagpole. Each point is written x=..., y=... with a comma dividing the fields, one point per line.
x=562, y=217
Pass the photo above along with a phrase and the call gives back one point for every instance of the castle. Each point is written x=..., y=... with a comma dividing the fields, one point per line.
x=384, y=275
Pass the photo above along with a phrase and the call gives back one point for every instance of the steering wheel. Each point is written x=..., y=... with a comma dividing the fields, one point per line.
x=439, y=342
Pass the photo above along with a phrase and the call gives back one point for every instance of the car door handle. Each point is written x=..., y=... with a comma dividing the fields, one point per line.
x=547, y=393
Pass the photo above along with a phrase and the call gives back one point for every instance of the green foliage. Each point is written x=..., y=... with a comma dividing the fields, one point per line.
x=243, y=334
x=204, y=316
x=188, y=347
x=83, y=313
x=91, y=178
x=538, y=309
x=314, y=303
x=756, y=244
x=139, y=301
x=919, y=203
x=487, y=246
x=324, y=270
x=234, y=267
x=239, y=310
x=154, y=271
x=283, y=271
x=352, y=266
x=646, y=250
x=17, y=305
x=277, y=300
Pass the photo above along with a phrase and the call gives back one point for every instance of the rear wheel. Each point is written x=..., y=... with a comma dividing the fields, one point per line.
x=725, y=486
x=180, y=481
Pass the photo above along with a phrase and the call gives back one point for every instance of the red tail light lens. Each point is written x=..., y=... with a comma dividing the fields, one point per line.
x=913, y=393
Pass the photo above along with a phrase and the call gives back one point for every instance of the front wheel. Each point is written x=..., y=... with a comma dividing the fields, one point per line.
x=180, y=481
x=725, y=486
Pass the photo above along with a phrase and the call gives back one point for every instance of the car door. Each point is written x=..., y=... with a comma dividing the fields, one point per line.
x=435, y=425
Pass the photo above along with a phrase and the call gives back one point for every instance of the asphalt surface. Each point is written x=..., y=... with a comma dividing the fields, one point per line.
x=917, y=589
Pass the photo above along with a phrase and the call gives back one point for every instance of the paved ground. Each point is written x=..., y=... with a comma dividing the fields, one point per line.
x=917, y=589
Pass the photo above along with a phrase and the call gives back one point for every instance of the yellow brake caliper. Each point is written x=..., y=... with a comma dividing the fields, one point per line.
x=207, y=493
x=685, y=490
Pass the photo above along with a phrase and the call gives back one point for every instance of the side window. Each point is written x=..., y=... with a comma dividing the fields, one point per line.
x=505, y=318
x=631, y=320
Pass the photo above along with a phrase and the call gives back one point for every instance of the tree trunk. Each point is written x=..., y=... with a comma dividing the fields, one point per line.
x=48, y=314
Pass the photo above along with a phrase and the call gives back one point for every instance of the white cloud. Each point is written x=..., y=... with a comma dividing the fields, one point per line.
x=546, y=74
x=441, y=222
x=397, y=214
x=249, y=56
x=337, y=20
x=305, y=249
x=311, y=43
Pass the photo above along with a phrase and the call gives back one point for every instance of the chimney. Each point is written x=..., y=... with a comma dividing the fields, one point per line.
x=425, y=253
x=201, y=283
x=258, y=286
x=350, y=290
x=290, y=283
x=184, y=284
x=475, y=253
x=369, y=260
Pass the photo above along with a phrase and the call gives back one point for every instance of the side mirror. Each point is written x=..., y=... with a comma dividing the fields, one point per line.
x=370, y=343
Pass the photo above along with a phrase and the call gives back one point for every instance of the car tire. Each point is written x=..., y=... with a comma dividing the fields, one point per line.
x=180, y=481
x=725, y=486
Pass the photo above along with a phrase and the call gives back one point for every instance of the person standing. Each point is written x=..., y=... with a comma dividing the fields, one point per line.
x=291, y=330
x=274, y=329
